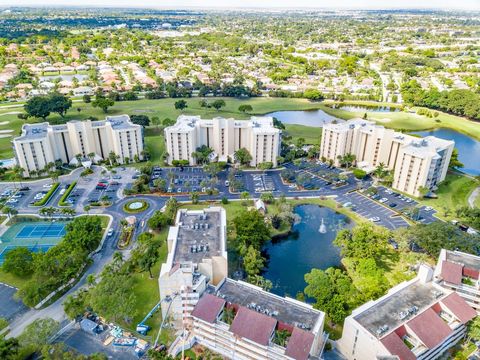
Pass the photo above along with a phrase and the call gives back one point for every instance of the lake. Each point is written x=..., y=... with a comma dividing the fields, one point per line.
x=468, y=148
x=371, y=108
x=313, y=118
x=290, y=258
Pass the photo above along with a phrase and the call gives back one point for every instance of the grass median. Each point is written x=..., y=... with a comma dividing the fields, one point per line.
x=48, y=195
x=65, y=196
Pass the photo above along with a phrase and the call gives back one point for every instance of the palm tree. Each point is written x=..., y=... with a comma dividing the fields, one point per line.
x=17, y=174
x=68, y=212
x=90, y=280
x=87, y=208
x=91, y=156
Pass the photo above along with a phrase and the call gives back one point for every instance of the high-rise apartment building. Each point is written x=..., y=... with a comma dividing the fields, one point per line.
x=43, y=143
x=224, y=137
x=415, y=162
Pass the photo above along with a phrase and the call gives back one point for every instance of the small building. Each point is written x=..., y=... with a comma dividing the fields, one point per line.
x=260, y=206
x=89, y=326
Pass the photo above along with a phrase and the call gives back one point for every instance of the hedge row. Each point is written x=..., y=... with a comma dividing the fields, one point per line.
x=62, y=201
x=48, y=195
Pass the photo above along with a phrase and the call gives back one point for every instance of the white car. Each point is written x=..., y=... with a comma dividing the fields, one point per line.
x=428, y=208
x=227, y=183
x=374, y=219
x=110, y=232
x=11, y=201
x=383, y=200
x=47, y=186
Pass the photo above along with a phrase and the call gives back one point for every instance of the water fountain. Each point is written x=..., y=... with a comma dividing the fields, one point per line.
x=322, y=229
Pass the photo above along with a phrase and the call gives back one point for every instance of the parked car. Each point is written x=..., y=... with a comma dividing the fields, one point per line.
x=374, y=219
x=392, y=205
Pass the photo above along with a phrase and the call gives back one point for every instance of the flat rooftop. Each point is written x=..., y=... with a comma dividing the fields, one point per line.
x=33, y=131
x=468, y=260
x=199, y=236
x=282, y=309
x=386, y=311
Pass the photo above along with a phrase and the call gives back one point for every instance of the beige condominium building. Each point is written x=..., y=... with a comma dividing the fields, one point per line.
x=460, y=272
x=417, y=319
x=415, y=162
x=224, y=136
x=197, y=255
x=241, y=321
x=43, y=143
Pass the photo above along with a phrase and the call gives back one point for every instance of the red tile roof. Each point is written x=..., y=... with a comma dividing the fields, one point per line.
x=452, y=272
x=254, y=326
x=429, y=328
x=459, y=307
x=395, y=346
x=474, y=274
x=299, y=344
x=208, y=308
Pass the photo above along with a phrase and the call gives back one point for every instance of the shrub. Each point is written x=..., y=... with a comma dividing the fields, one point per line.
x=64, y=197
x=48, y=195
x=359, y=173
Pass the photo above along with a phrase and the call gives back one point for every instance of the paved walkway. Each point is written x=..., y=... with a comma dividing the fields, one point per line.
x=473, y=196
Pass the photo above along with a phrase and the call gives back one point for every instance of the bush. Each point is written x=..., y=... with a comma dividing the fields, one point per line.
x=127, y=209
x=359, y=173
x=48, y=195
x=64, y=197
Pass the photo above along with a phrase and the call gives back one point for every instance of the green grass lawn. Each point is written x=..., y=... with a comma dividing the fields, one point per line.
x=13, y=280
x=452, y=193
x=164, y=108
x=147, y=294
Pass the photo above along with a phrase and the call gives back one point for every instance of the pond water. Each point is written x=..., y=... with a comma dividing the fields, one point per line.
x=357, y=108
x=468, y=148
x=313, y=118
x=290, y=258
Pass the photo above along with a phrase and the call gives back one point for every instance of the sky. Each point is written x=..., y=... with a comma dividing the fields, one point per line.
x=354, y=4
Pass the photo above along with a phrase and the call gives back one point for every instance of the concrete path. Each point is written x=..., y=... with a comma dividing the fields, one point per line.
x=471, y=199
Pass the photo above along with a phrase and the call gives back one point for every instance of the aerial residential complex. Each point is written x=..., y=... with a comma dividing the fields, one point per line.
x=195, y=293
x=43, y=143
x=417, y=319
x=415, y=162
x=224, y=136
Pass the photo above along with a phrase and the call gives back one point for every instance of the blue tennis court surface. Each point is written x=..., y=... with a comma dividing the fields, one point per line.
x=37, y=236
x=41, y=231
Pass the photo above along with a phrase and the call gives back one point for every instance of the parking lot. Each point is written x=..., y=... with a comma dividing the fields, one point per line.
x=88, y=344
x=370, y=209
x=9, y=306
x=184, y=180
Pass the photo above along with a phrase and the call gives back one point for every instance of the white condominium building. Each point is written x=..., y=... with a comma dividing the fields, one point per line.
x=417, y=319
x=224, y=136
x=415, y=162
x=241, y=321
x=197, y=256
x=460, y=272
x=43, y=143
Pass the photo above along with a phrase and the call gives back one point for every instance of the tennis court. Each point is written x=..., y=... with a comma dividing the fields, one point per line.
x=41, y=231
x=37, y=236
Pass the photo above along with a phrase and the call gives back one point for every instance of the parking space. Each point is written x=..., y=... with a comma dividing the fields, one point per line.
x=260, y=182
x=372, y=210
x=185, y=180
x=9, y=305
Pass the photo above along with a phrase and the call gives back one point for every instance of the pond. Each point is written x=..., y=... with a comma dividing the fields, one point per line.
x=290, y=258
x=371, y=108
x=313, y=118
x=468, y=148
